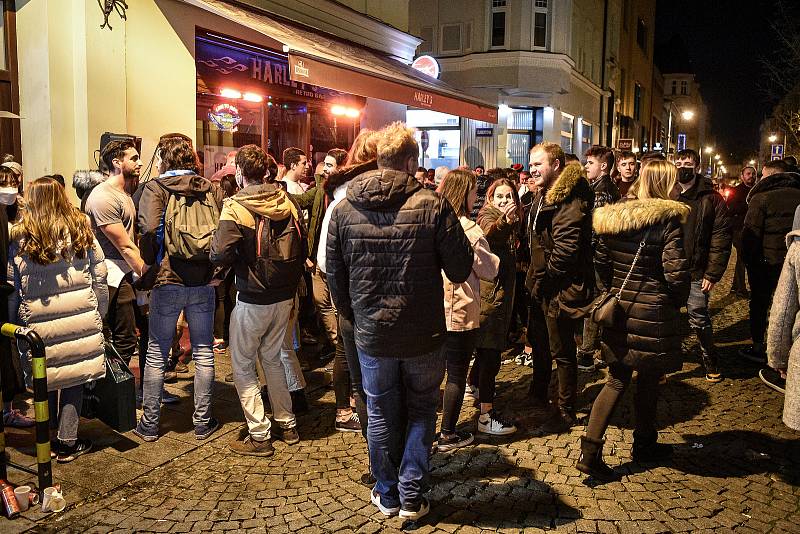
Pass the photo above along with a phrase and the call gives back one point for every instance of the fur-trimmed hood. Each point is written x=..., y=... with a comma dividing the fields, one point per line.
x=572, y=175
x=775, y=181
x=633, y=215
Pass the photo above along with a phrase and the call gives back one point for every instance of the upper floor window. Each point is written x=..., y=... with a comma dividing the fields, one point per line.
x=641, y=35
x=684, y=87
x=539, y=38
x=497, y=37
x=674, y=87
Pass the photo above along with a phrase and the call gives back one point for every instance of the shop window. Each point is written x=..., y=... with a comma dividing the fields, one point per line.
x=567, y=124
x=641, y=35
x=684, y=87
x=521, y=133
x=438, y=136
x=451, y=38
x=586, y=134
x=497, y=37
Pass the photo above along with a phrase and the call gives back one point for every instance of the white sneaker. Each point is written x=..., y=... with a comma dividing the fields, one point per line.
x=376, y=500
x=491, y=423
x=416, y=510
x=471, y=393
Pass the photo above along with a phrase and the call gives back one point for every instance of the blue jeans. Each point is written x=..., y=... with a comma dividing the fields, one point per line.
x=166, y=303
x=697, y=306
x=402, y=396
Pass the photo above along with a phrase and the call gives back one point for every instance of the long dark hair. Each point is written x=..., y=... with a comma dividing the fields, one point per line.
x=177, y=154
x=455, y=187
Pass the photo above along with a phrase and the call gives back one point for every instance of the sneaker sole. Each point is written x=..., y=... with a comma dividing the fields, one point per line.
x=242, y=453
x=413, y=516
x=145, y=437
x=71, y=457
x=771, y=385
x=457, y=445
x=586, y=367
x=208, y=434
x=503, y=433
x=714, y=378
x=339, y=429
x=388, y=512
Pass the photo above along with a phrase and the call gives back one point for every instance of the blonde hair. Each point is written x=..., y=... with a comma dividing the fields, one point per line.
x=364, y=149
x=657, y=179
x=396, y=144
x=50, y=227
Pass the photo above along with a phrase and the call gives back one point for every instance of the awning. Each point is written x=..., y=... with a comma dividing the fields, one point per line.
x=321, y=59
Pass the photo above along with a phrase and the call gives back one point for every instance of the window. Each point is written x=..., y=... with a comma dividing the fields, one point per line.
x=426, y=46
x=684, y=87
x=638, y=96
x=586, y=134
x=541, y=3
x=641, y=35
x=567, y=122
x=451, y=38
x=524, y=131
x=674, y=87
x=497, y=38
x=539, y=37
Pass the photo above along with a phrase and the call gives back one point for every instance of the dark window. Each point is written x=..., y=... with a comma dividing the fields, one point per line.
x=540, y=30
x=641, y=35
x=499, y=28
x=674, y=87
x=637, y=101
x=684, y=87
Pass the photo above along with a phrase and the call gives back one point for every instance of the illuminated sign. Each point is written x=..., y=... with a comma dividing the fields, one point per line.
x=427, y=65
x=225, y=117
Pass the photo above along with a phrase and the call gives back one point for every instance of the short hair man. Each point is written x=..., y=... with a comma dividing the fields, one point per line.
x=771, y=205
x=420, y=175
x=181, y=283
x=112, y=214
x=626, y=166
x=334, y=159
x=296, y=162
x=561, y=276
x=265, y=297
x=388, y=242
x=707, y=240
x=737, y=209
x=439, y=174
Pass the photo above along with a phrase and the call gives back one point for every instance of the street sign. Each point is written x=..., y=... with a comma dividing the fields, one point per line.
x=777, y=150
x=625, y=144
x=484, y=132
x=424, y=140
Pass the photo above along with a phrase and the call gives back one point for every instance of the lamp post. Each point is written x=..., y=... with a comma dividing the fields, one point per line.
x=686, y=115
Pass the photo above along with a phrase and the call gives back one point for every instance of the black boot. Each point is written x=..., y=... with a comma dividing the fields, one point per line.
x=708, y=353
x=647, y=449
x=592, y=463
x=299, y=402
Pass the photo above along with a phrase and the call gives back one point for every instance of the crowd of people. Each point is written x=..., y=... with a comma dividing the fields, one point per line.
x=409, y=278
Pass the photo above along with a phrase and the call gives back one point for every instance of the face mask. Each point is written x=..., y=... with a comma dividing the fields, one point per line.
x=239, y=178
x=8, y=195
x=685, y=175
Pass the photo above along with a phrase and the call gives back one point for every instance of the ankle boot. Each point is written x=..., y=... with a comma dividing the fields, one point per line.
x=708, y=353
x=591, y=461
x=647, y=449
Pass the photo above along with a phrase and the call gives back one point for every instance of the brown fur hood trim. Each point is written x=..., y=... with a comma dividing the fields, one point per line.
x=633, y=215
x=571, y=176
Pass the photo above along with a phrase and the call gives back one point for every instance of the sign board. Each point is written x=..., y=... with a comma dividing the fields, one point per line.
x=777, y=150
x=484, y=132
x=774, y=157
x=427, y=65
x=424, y=140
x=625, y=144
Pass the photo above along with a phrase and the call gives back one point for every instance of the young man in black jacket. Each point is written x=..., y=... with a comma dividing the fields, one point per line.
x=707, y=236
x=561, y=277
x=388, y=242
x=770, y=212
x=737, y=209
x=257, y=225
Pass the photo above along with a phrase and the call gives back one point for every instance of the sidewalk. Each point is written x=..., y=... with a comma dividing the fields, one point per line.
x=736, y=467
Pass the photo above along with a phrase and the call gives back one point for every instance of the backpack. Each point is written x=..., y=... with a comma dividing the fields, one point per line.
x=189, y=226
x=280, y=251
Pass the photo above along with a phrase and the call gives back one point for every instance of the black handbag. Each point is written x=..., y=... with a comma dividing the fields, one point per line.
x=606, y=310
x=112, y=399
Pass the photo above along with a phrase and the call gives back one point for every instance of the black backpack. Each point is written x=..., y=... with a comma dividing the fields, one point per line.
x=280, y=251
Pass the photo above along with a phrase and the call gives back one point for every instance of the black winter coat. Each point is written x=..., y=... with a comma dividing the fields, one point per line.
x=560, y=235
x=737, y=206
x=707, y=232
x=650, y=336
x=770, y=212
x=605, y=191
x=388, y=242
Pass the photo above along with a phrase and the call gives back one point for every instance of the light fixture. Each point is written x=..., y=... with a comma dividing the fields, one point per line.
x=709, y=149
x=772, y=138
x=716, y=157
x=635, y=150
x=352, y=112
x=752, y=162
x=252, y=97
x=687, y=115
x=338, y=110
x=230, y=93
x=503, y=109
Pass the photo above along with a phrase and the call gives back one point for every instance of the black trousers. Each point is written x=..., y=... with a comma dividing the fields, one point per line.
x=226, y=298
x=120, y=321
x=458, y=348
x=763, y=281
x=553, y=338
x=645, y=401
x=347, y=341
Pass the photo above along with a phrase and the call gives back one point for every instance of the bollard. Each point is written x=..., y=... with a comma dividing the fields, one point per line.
x=44, y=469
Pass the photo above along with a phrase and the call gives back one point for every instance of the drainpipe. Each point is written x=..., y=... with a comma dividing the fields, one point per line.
x=604, y=117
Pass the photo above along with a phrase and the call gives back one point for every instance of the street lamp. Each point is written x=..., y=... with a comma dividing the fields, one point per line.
x=751, y=162
x=687, y=115
x=716, y=157
x=772, y=138
x=709, y=149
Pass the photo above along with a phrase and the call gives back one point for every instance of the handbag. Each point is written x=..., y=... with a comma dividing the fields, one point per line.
x=606, y=310
x=112, y=399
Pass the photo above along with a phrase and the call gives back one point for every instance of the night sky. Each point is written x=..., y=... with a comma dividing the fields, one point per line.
x=725, y=40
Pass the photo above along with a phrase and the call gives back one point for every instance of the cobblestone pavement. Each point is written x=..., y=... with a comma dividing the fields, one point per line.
x=736, y=468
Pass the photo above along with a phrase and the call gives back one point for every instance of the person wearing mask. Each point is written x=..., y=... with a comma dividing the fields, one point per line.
x=599, y=162
x=561, y=277
x=11, y=365
x=178, y=213
x=58, y=273
x=626, y=166
x=499, y=221
x=462, y=308
x=640, y=246
x=771, y=204
x=388, y=241
x=707, y=238
x=737, y=209
x=261, y=233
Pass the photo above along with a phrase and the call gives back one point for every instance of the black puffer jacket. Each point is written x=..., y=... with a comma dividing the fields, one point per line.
x=560, y=236
x=708, y=232
x=737, y=206
x=605, y=191
x=658, y=285
x=388, y=242
x=770, y=211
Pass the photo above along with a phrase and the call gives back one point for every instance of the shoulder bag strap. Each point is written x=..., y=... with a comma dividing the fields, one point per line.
x=642, y=243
